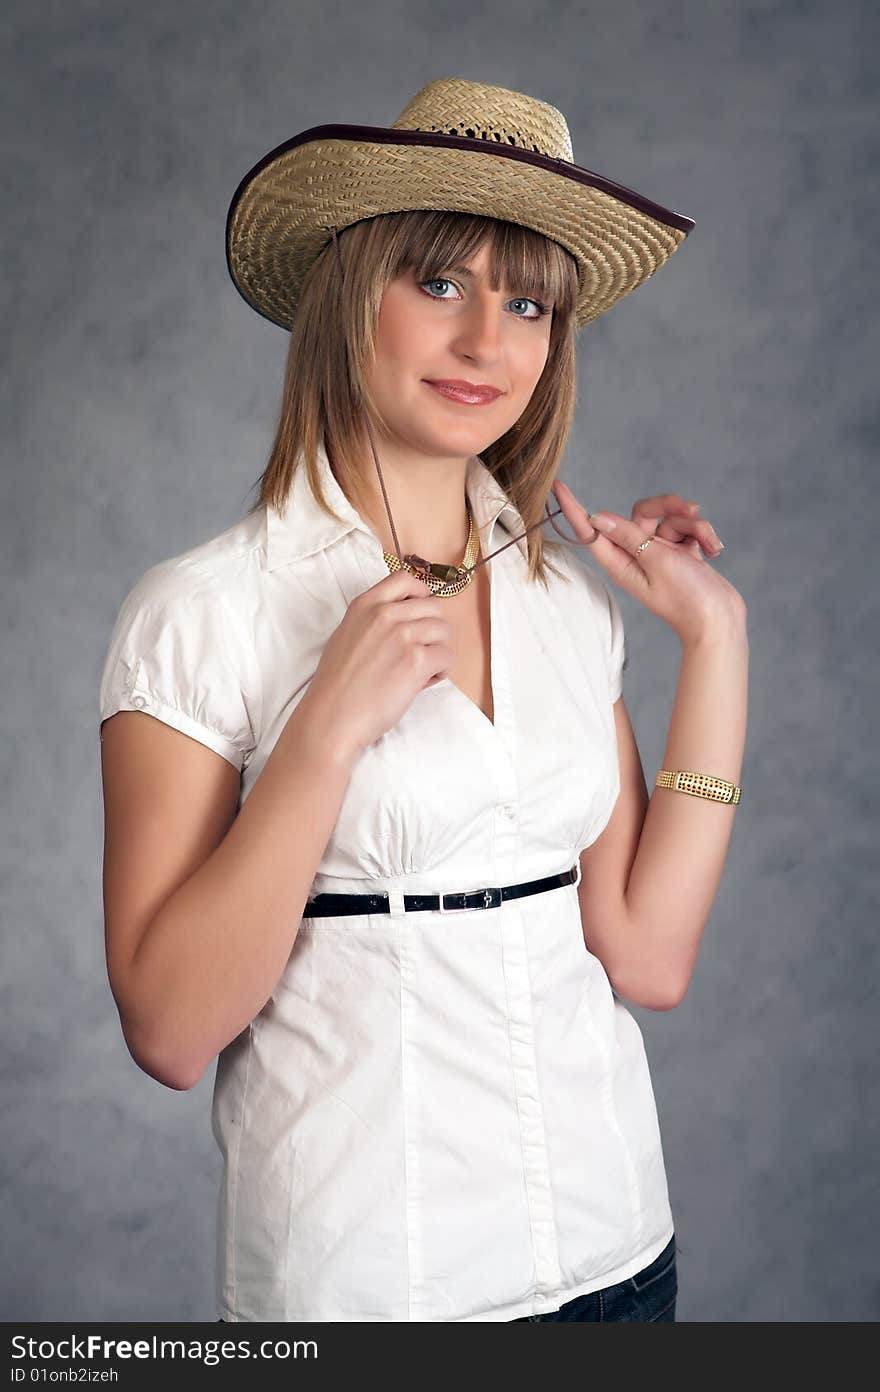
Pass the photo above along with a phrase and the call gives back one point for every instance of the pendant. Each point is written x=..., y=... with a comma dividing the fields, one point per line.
x=444, y=573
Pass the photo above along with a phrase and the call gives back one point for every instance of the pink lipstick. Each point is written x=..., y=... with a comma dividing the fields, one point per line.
x=468, y=393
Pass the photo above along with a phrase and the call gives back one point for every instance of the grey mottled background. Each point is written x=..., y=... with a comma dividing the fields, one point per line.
x=139, y=394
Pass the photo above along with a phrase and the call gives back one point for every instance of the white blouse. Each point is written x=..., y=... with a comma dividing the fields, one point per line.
x=436, y=1116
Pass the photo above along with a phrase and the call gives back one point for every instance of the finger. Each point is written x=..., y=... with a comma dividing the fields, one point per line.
x=662, y=504
x=624, y=533
x=674, y=528
x=575, y=514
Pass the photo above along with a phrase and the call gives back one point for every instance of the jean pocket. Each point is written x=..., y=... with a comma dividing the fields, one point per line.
x=656, y=1270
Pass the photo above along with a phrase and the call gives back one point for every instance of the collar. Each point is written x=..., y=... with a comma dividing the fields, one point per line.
x=304, y=528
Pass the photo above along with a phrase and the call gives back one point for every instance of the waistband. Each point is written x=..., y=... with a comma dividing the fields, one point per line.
x=394, y=901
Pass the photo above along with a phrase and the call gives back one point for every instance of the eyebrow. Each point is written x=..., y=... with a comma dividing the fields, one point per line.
x=463, y=270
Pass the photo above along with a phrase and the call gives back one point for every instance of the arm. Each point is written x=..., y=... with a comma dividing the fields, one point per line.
x=201, y=915
x=650, y=879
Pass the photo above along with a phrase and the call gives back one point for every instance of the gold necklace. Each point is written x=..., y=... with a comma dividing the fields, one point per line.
x=442, y=580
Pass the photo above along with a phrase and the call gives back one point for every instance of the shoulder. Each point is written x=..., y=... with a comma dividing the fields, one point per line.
x=591, y=611
x=218, y=569
x=580, y=582
x=182, y=644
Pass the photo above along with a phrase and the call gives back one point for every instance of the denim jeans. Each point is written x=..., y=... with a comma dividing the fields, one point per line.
x=647, y=1297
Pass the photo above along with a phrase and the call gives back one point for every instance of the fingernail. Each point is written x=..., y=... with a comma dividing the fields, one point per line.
x=602, y=521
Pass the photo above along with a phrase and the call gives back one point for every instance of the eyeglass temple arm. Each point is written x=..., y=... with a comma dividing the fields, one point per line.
x=548, y=518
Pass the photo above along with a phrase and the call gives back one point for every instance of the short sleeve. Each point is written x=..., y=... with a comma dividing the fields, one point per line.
x=618, y=656
x=176, y=653
x=607, y=619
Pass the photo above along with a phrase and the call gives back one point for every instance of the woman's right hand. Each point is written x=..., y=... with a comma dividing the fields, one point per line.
x=391, y=644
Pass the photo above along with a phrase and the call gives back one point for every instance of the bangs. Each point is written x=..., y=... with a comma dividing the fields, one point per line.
x=524, y=261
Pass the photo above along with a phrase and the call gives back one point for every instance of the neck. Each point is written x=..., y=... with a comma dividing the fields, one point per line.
x=427, y=497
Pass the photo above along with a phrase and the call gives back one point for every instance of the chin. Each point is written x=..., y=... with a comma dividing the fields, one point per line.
x=447, y=444
x=458, y=449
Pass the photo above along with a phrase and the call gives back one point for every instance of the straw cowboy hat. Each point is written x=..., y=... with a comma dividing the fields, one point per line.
x=458, y=147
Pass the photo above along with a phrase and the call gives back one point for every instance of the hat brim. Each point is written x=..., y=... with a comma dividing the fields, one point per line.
x=279, y=217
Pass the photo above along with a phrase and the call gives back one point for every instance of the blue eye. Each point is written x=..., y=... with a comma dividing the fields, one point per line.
x=437, y=281
x=522, y=300
x=542, y=309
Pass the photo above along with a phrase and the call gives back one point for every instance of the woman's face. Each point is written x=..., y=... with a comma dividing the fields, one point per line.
x=459, y=329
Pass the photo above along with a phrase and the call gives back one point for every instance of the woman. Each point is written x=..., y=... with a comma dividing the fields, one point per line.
x=407, y=901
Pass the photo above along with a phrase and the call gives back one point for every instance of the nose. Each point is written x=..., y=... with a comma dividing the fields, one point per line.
x=479, y=335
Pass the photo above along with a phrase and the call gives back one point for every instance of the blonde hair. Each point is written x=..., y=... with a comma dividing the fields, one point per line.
x=332, y=342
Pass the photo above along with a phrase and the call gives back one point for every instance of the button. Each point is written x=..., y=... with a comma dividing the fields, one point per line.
x=508, y=810
x=139, y=701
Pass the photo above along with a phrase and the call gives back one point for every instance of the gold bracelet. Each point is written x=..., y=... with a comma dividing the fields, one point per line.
x=704, y=785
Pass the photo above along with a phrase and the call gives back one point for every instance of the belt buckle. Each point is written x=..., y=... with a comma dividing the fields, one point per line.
x=491, y=900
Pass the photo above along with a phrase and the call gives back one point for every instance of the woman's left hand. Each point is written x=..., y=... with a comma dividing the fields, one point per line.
x=670, y=576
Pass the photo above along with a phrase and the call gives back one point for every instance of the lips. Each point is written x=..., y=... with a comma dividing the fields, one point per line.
x=465, y=392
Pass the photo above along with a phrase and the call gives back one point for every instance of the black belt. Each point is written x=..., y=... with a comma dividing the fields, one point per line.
x=337, y=905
